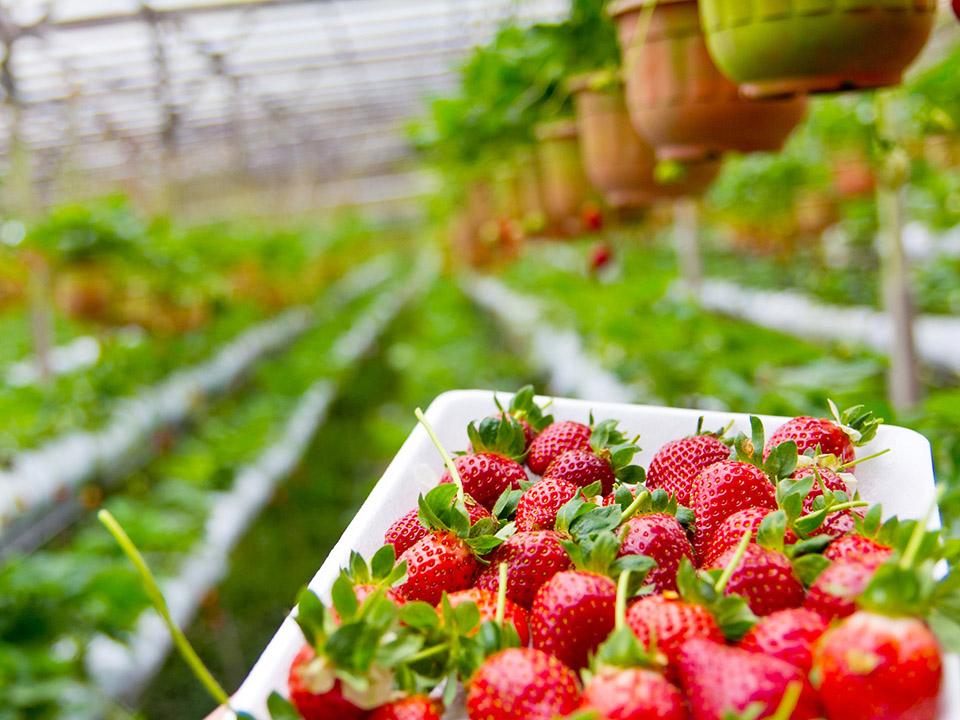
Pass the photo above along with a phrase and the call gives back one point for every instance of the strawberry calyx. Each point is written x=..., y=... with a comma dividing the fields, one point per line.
x=443, y=508
x=719, y=433
x=382, y=571
x=637, y=500
x=608, y=442
x=781, y=461
x=501, y=435
x=859, y=424
x=706, y=588
x=523, y=407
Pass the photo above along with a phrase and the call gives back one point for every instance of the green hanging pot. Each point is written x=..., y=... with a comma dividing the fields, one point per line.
x=774, y=48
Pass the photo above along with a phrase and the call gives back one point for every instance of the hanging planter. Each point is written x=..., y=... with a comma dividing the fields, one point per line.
x=678, y=99
x=531, y=202
x=564, y=185
x=679, y=180
x=773, y=49
x=618, y=162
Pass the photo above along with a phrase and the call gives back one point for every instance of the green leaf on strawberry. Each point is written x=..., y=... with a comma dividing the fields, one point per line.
x=499, y=435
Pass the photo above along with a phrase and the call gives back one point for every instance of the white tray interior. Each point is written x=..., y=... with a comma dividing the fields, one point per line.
x=903, y=480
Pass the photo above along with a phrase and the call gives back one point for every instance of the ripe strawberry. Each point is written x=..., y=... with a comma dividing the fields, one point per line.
x=313, y=703
x=788, y=635
x=871, y=666
x=532, y=558
x=834, y=593
x=765, y=578
x=553, y=441
x=731, y=530
x=721, y=490
x=407, y=529
x=414, y=707
x=855, y=547
x=522, y=684
x=669, y=622
x=720, y=681
x=662, y=538
x=486, y=476
x=440, y=562
x=633, y=694
x=677, y=464
x=486, y=602
x=572, y=613
x=600, y=256
x=540, y=503
x=838, y=437
x=582, y=468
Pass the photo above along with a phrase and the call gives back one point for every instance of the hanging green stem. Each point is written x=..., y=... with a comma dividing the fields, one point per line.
x=447, y=460
x=734, y=562
x=620, y=612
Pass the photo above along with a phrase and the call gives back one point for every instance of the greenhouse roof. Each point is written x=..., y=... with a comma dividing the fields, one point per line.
x=118, y=90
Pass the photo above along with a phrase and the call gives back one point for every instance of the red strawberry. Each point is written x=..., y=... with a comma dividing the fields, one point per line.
x=522, y=684
x=440, y=562
x=731, y=530
x=555, y=440
x=633, y=694
x=486, y=476
x=765, y=578
x=540, y=503
x=572, y=614
x=662, y=538
x=830, y=479
x=328, y=704
x=835, y=591
x=486, y=602
x=600, y=256
x=720, y=681
x=408, y=529
x=871, y=666
x=788, y=635
x=669, y=622
x=415, y=707
x=855, y=547
x=532, y=558
x=582, y=468
x=677, y=464
x=839, y=436
x=721, y=490
x=955, y=4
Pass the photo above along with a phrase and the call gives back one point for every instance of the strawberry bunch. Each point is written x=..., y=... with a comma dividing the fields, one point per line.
x=736, y=579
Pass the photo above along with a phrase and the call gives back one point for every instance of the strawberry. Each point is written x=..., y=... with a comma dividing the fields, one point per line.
x=788, y=635
x=633, y=694
x=661, y=537
x=407, y=529
x=582, y=468
x=318, y=702
x=486, y=602
x=668, y=622
x=553, y=441
x=855, y=547
x=414, y=707
x=835, y=591
x=486, y=476
x=838, y=437
x=721, y=490
x=730, y=531
x=677, y=464
x=871, y=666
x=601, y=255
x=764, y=577
x=572, y=613
x=541, y=502
x=720, y=681
x=532, y=558
x=522, y=684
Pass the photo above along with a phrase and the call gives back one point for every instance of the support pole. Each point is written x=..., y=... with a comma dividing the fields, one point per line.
x=904, y=377
x=686, y=225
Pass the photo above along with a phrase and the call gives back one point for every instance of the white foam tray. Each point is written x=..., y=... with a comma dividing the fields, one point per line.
x=902, y=480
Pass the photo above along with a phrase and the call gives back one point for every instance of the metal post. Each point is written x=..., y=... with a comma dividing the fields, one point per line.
x=686, y=227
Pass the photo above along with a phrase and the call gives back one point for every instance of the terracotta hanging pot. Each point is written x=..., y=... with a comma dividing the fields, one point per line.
x=773, y=48
x=678, y=99
x=618, y=162
x=563, y=182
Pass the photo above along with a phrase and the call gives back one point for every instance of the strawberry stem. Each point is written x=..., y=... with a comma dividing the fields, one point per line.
x=734, y=562
x=428, y=653
x=632, y=508
x=916, y=537
x=155, y=595
x=447, y=460
x=791, y=696
x=839, y=507
x=620, y=612
x=501, y=594
x=857, y=461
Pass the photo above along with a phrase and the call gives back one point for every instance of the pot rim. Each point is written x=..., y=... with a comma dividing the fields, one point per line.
x=622, y=7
